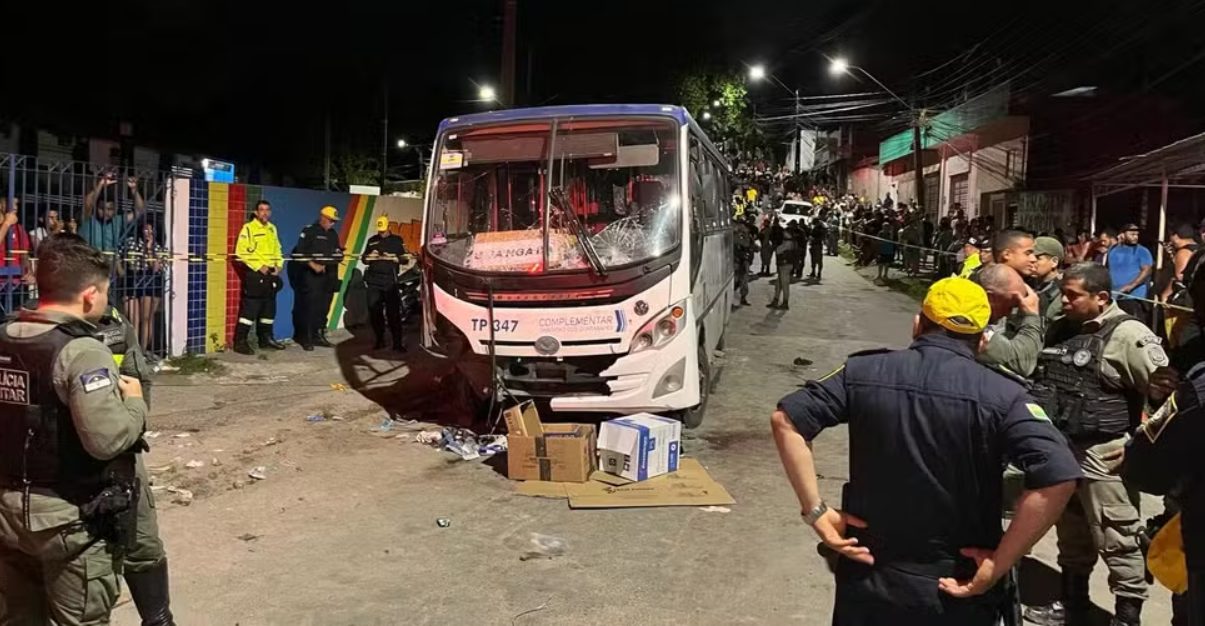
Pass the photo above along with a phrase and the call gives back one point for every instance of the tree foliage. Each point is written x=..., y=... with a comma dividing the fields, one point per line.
x=730, y=124
x=354, y=169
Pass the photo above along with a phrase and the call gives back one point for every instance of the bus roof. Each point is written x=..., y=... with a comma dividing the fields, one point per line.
x=679, y=114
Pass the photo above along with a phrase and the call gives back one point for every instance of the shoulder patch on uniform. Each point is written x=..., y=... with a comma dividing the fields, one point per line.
x=1148, y=340
x=96, y=380
x=1156, y=354
x=1037, y=411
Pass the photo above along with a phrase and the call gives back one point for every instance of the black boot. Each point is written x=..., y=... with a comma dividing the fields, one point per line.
x=240, y=340
x=1072, y=610
x=149, y=590
x=1127, y=612
x=321, y=340
x=379, y=344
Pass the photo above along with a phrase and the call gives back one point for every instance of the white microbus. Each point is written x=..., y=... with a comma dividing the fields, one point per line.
x=584, y=254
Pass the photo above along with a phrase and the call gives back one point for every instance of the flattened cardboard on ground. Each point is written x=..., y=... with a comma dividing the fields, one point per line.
x=691, y=485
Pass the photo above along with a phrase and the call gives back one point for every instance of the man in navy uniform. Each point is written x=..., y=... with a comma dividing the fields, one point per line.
x=930, y=431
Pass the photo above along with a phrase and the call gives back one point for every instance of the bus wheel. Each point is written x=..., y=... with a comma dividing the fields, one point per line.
x=693, y=417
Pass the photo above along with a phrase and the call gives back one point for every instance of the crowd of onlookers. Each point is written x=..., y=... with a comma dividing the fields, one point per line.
x=114, y=220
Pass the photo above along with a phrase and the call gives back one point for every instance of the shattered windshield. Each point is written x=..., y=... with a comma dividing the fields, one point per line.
x=489, y=209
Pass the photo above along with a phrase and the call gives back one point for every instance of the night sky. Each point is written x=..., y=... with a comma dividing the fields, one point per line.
x=253, y=81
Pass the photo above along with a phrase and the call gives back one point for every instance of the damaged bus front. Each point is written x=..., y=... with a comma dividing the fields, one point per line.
x=581, y=254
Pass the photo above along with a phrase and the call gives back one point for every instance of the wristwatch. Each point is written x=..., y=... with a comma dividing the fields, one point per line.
x=811, y=517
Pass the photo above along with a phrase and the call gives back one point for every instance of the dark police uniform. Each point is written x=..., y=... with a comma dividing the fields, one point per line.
x=68, y=443
x=742, y=256
x=929, y=434
x=313, y=290
x=1164, y=457
x=380, y=280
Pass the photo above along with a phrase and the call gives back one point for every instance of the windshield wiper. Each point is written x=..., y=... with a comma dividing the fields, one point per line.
x=557, y=197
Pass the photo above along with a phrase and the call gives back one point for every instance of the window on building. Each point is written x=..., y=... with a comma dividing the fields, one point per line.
x=959, y=186
x=1012, y=163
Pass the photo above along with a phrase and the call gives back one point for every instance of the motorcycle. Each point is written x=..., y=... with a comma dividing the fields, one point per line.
x=408, y=286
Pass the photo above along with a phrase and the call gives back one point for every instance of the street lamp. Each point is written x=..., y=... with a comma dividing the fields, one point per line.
x=401, y=143
x=715, y=103
x=757, y=72
x=839, y=66
x=486, y=93
x=706, y=115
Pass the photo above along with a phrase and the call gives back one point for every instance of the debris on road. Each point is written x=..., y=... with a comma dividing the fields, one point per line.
x=443, y=522
x=544, y=546
x=259, y=473
x=802, y=362
x=461, y=442
x=182, y=435
x=515, y=619
x=715, y=509
x=691, y=485
x=159, y=469
x=336, y=418
x=385, y=426
x=403, y=437
x=183, y=497
x=429, y=437
x=151, y=434
x=315, y=418
x=248, y=537
x=194, y=464
x=338, y=387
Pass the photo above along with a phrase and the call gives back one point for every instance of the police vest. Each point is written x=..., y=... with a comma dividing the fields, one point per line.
x=112, y=333
x=39, y=446
x=1069, y=386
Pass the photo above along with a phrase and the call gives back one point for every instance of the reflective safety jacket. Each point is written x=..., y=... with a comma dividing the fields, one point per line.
x=258, y=245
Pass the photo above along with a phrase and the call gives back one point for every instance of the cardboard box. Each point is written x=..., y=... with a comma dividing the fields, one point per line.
x=691, y=485
x=563, y=453
x=639, y=447
x=523, y=419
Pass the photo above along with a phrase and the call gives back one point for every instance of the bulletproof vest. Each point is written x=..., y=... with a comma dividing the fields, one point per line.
x=39, y=445
x=112, y=333
x=1073, y=392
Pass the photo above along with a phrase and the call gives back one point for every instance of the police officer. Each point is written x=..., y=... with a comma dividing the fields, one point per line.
x=1091, y=380
x=145, y=563
x=1164, y=458
x=787, y=256
x=929, y=431
x=70, y=428
x=742, y=257
x=258, y=249
x=382, y=255
x=1015, y=334
x=1048, y=253
x=316, y=270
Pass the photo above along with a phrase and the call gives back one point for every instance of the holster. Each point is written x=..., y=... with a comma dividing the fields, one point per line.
x=112, y=514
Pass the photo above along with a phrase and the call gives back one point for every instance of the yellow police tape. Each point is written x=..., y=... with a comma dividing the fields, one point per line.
x=1165, y=557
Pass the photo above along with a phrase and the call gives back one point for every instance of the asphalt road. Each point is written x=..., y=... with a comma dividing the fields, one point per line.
x=344, y=529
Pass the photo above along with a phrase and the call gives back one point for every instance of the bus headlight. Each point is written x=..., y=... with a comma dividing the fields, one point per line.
x=661, y=329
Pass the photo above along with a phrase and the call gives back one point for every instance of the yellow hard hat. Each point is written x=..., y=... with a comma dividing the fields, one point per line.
x=382, y=224
x=957, y=305
x=1165, y=557
x=330, y=213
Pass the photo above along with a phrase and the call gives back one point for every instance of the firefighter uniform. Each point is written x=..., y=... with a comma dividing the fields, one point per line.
x=68, y=442
x=929, y=429
x=1091, y=380
x=315, y=277
x=258, y=249
x=382, y=255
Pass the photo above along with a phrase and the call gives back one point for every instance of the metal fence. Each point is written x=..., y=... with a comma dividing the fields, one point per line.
x=123, y=212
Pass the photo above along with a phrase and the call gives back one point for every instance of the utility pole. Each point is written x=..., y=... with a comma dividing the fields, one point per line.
x=798, y=136
x=509, y=16
x=385, y=135
x=918, y=160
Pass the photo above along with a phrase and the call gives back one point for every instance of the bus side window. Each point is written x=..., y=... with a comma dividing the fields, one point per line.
x=697, y=211
x=711, y=212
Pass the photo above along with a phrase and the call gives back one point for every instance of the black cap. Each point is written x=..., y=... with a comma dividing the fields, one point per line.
x=983, y=243
x=1128, y=227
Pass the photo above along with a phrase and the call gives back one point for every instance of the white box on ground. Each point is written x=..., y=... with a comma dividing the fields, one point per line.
x=640, y=446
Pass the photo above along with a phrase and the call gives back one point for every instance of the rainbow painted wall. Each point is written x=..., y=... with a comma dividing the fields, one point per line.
x=209, y=217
